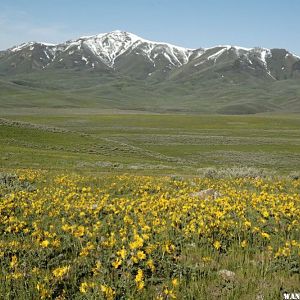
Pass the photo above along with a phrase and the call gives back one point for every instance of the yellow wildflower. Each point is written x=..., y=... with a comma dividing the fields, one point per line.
x=122, y=253
x=117, y=263
x=97, y=268
x=169, y=293
x=45, y=243
x=108, y=292
x=60, y=272
x=79, y=232
x=14, y=261
x=43, y=291
x=244, y=244
x=150, y=265
x=265, y=235
x=137, y=243
x=217, y=245
x=84, y=287
x=141, y=255
x=175, y=282
x=139, y=279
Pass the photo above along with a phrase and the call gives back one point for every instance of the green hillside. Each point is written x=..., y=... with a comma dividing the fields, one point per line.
x=67, y=89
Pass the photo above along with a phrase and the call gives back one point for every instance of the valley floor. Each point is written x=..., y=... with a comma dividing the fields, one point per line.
x=148, y=143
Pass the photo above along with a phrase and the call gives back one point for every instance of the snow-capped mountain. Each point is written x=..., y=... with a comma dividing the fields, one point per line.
x=121, y=70
x=129, y=54
x=108, y=47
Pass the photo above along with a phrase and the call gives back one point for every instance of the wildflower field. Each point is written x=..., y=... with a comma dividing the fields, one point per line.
x=71, y=236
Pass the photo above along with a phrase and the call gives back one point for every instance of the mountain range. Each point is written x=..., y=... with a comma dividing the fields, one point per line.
x=121, y=70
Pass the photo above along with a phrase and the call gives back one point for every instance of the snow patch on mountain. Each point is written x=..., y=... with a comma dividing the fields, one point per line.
x=200, y=63
x=47, y=55
x=20, y=47
x=295, y=55
x=85, y=60
x=216, y=55
x=263, y=56
x=109, y=46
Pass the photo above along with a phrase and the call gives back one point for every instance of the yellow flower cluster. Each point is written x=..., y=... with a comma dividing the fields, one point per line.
x=115, y=235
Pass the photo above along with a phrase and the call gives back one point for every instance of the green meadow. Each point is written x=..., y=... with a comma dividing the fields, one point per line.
x=240, y=243
x=122, y=141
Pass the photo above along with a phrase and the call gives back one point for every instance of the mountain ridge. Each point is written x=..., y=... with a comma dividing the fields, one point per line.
x=108, y=48
x=145, y=40
x=121, y=70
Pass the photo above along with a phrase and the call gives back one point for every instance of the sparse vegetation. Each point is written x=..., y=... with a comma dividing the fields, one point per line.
x=10, y=183
x=295, y=175
x=235, y=172
x=151, y=144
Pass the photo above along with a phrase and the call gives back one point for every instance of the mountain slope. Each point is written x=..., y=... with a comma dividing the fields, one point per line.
x=121, y=70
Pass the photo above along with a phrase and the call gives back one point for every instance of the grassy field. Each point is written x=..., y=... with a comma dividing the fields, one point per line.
x=147, y=143
x=123, y=205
